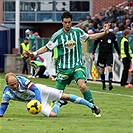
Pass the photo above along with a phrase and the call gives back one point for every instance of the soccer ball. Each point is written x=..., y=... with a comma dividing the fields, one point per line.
x=34, y=107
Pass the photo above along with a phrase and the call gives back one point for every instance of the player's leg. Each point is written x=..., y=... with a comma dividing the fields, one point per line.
x=48, y=111
x=62, y=80
x=101, y=64
x=126, y=64
x=80, y=77
x=48, y=93
x=109, y=64
x=110, y=77
x=78, y=100
x=130, y=85
x=102, y=78
x=86, y=92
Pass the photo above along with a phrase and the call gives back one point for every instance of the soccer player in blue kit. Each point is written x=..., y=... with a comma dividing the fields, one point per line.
x=22, y=89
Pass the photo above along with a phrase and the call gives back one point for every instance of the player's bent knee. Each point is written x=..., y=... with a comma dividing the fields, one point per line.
x=82, y=87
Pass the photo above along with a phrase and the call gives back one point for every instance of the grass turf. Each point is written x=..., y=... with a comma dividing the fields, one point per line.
x=116, y=111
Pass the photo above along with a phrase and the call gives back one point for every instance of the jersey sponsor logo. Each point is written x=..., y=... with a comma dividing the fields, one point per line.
x=70, y=44
x=62, y=76
x=24, y=94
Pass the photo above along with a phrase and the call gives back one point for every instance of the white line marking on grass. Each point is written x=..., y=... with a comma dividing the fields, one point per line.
x=102, y=92
x=2, y=79
x=111, y=93
x=108, y=93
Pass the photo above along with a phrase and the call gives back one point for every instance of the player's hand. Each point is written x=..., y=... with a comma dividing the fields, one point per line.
x=28, y=53
x=93, y=57
x=1, y=115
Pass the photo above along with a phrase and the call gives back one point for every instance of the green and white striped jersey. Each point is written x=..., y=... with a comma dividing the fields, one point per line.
x=69, y=47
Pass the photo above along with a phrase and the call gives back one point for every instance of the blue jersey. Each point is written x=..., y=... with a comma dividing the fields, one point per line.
x=24, y=92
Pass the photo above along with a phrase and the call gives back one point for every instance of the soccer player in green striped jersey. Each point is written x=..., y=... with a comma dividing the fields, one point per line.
x=70, y=67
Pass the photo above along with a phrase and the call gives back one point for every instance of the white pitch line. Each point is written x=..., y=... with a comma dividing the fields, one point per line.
x=103, y=92
x=108, y=93
x=2, y=79
x=111, y=93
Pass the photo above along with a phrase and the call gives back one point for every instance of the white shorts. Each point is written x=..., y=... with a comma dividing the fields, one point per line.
x=48, y=93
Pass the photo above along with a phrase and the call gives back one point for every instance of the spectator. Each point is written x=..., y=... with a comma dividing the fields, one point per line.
x=117, y=32
x=104, y=12
x=27, y=32
x=25, y=46
x=35, y=41
x=91, y=27
x=126, y=9
x=109, y=13
x=80, y=24
x=126, y=54
x=130, y=85
x=121, y=11
x=114, y=15
x=36, y=35
x=88, y=17
x=128, y=24
x=130, y=15
x=85, y=23
x=31, y=35
x=39, y=65
x=102, y=20
x=120, y=25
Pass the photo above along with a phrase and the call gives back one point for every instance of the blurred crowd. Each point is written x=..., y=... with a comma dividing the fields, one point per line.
x=121, y=18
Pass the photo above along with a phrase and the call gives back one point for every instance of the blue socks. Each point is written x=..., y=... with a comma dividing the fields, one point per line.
x=79, y=100
x=56, y=107
x=74, y=99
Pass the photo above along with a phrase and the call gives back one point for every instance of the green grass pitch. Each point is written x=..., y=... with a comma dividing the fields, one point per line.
x=116, y=110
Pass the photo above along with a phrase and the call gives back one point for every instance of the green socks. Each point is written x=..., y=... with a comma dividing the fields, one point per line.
x=88, y=96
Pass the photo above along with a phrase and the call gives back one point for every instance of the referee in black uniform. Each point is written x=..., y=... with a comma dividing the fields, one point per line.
x=105, y=57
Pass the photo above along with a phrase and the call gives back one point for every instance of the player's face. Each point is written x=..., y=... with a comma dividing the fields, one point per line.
x=67, y=23
x=106, y=25
x=13, y=83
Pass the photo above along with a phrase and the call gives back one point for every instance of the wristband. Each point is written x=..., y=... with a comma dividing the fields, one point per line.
x=35, y=53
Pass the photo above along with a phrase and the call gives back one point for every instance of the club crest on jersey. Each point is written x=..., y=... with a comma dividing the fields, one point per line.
x=70, y=44
x=109, y=40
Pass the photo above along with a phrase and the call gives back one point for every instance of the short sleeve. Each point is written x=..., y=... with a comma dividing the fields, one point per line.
x=51, y=45
x=84, y=36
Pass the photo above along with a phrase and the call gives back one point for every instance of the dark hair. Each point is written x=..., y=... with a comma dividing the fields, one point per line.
x=106, y=22
x=26, y=38
x=66, y=14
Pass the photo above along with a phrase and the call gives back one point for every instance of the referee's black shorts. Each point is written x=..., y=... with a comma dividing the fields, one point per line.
x=105, y=59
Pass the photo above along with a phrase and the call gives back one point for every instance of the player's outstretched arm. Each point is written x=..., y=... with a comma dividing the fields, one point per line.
x=98, y=35
x=3, y=108
x=41, y=50
x=38, y=52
